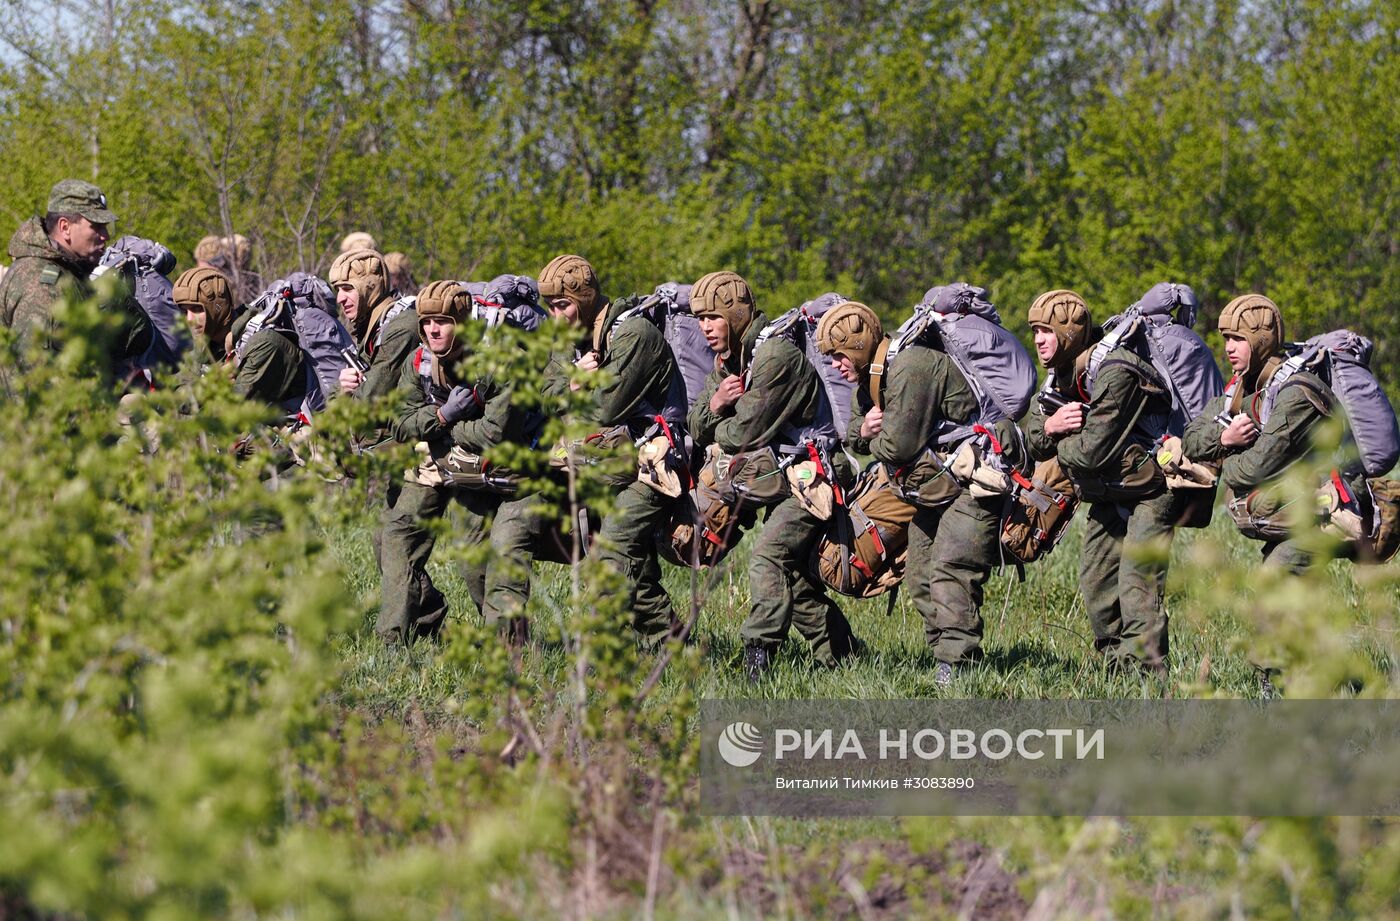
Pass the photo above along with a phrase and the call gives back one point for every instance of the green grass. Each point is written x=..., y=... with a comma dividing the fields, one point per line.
x=1037, y=638
x=1037, y=645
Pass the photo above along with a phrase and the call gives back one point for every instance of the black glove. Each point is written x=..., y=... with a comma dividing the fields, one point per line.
x=462, y=403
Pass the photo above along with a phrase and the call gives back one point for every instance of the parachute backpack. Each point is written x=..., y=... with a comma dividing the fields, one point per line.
x=799, y=327
x=151, y=264
x=682, y=330
x=1342, y=358
x=959, y=321
x=304, y=306
x=512, y=300
x=1158, y=329
x=872, y=561
x=274, y=309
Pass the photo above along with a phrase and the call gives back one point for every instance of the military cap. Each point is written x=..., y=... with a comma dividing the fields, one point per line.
x=74, y=196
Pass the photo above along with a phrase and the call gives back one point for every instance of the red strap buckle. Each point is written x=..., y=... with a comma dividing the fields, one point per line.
x=983, y=430
x=1342, y=491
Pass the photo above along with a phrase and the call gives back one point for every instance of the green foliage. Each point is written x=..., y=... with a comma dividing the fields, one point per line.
x=875, y=148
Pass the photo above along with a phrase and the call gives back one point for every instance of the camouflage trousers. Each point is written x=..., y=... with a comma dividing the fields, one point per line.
x=626, y=541
x=1123, y=576
x=952, y=552
x=785, y=592
x=412, y=606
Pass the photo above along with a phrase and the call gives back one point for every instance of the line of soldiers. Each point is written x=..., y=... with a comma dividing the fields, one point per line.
x=763, y=392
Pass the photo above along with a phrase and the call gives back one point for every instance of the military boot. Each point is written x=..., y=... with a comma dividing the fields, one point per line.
x=757, y=661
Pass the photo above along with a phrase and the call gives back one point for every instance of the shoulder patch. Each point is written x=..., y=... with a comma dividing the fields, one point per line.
x=49, y=275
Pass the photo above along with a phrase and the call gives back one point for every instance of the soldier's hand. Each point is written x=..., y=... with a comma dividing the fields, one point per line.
x=350, y=380
x=1240, y=433
x=873, y=422
x=461, y=403
x=587, y=362
x=727, y=393
x=1067, y=419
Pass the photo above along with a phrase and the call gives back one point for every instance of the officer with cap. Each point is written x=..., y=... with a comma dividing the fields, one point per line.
x=54, y=257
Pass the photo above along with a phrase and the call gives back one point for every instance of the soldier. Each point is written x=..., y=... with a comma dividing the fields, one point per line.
x=269, y=366
x=232, y=257
x=385, y=329
x=644, y=383
x=952, y=549
x=443, y=410
x=358, y=239
x=784, y=393
x=400, y=272
x=54, y=257
x=210, y=253
x=1253, y=455
x=1103, y=436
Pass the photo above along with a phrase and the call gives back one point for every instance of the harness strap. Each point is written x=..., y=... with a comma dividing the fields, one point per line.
x=878, y=367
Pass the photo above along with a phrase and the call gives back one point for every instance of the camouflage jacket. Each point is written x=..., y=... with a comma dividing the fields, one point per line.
x=1284, y=439
x=924, y=388
x=784, y=390
x=42, y=276
x=271, y=369
x=396, y=341
x=1122, y=394
x=639, y=366
x=417, y=418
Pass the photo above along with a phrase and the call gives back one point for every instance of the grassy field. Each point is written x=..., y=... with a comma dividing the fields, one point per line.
x=1037, y=646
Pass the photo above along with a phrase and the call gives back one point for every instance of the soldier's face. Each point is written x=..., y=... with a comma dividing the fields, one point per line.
x=197, y=319
x=349, y=300
x=846, y=367
x=564, y=308
x=84, y=239
x=1237, y=352
x=1046, y=344
x=440, y=332
x=716, y=330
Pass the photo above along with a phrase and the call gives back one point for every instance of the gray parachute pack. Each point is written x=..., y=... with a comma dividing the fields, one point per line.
x=512, y=300
x=150, y=264
x=799, y=327
x=1342, y=359
x=682, y=330
x=1158, y=329
x=960, y=321
x=303, y=305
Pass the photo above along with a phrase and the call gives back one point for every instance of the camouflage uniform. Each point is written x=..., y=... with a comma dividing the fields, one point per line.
x=384, y=333
x=412, y=606
x=1287, y=436
x=1123, y=564
x=272, y=369
x=43, y=275
x=784, y=391
x=642, y=372
x=953, y=549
